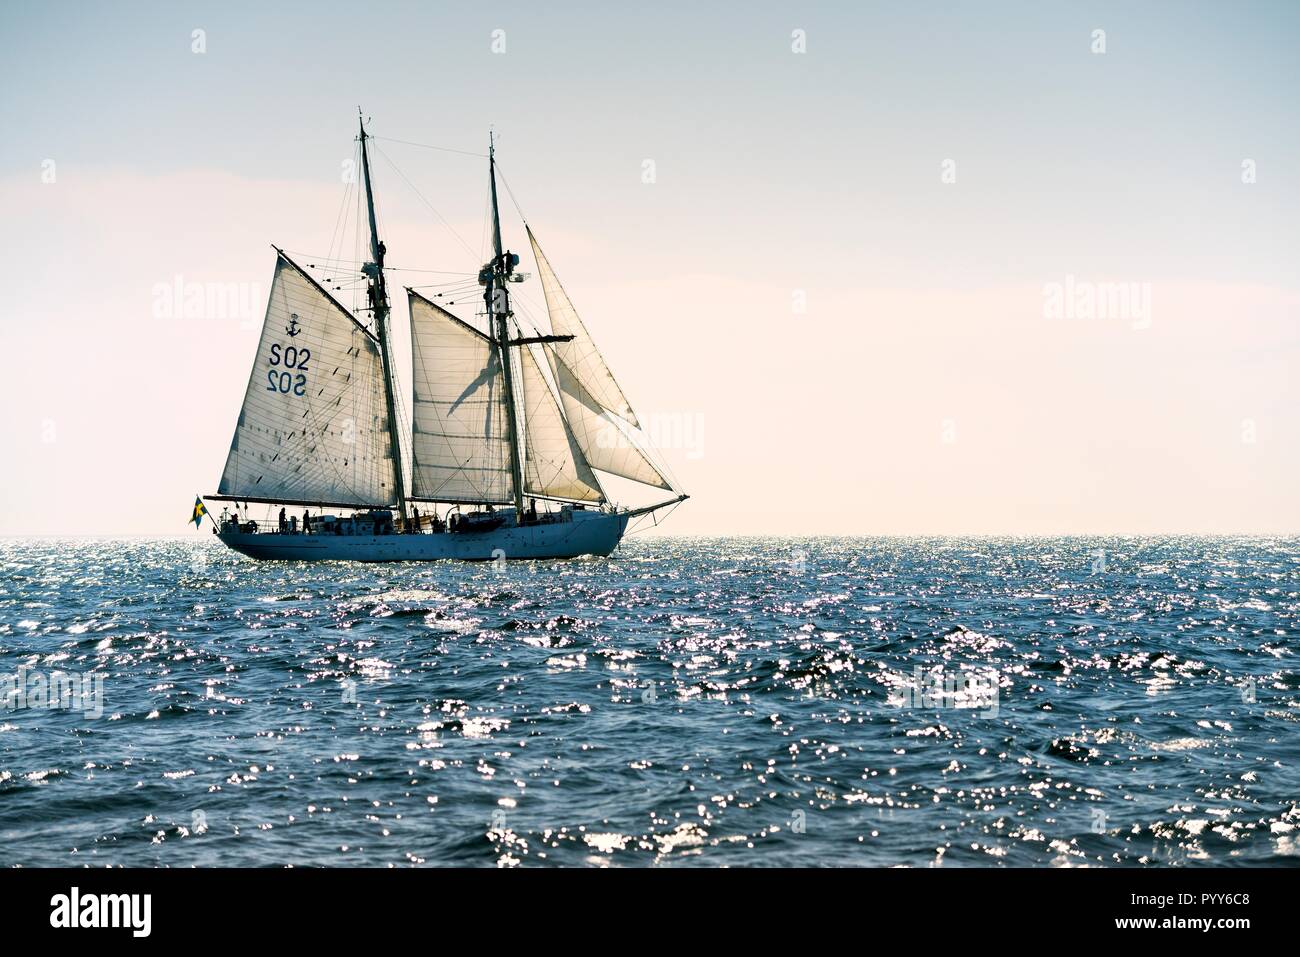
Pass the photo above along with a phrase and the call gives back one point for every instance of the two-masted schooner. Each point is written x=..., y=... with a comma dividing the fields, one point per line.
x=490, y=429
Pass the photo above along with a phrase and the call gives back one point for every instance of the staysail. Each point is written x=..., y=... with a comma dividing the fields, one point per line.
x=459, y=436
x=607, y=442
x=313, y=427
x=593, y=402
x=554, y=465
x=581, y=355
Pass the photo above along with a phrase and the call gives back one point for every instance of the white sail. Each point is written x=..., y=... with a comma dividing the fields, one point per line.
x=553, y=462
x=581, y=355
x=607, y=443
x=459, y=435
x=313, y=428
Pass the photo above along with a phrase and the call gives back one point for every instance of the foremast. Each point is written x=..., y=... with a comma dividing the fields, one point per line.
x=496, y=296
x=377, y=289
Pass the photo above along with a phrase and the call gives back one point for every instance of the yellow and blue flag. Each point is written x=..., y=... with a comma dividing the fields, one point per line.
x=199, y=512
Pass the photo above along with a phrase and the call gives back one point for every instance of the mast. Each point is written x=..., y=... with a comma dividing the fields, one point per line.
x=378, y=292
x=497, y=297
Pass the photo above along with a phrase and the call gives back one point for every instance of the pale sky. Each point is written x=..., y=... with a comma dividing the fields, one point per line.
x=854, y=300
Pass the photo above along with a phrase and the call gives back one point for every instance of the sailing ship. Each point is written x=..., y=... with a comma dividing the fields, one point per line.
x=497, y=417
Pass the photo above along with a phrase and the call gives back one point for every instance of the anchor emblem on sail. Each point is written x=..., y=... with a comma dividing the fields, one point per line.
x=293, y=328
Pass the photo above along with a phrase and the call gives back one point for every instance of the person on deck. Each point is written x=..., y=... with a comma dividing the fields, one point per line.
x=415, y=518
x=306, y=517
x=284, y=522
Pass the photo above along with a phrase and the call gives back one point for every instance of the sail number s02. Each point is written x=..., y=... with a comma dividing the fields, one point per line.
x=288, y=372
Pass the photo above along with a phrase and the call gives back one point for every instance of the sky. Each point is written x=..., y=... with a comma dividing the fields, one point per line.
x=862, y=268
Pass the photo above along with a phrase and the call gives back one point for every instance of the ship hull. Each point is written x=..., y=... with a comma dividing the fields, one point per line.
x=588, y=533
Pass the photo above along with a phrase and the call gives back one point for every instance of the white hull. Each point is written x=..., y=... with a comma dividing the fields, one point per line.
x=589, y=533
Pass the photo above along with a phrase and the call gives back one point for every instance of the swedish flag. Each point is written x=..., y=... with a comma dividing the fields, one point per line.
x=199, y=512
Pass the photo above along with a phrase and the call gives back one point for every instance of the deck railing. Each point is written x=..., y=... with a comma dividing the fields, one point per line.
x=319, y=528
x=346, y=526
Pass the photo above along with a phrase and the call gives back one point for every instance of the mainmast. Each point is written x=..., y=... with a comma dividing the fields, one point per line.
x=378, y=292
x=497, y=297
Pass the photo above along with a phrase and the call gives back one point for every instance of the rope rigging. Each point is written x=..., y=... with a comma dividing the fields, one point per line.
x=299, y=444
x=448, y=288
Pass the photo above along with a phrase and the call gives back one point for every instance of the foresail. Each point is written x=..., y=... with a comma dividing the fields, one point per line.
x=459, y=438
x=553, y=462
x=606, y=442
x=581, y=355
x=313, y=427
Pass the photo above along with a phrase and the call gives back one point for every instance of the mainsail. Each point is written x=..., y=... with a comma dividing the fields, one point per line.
x=554, y=465
x=313, y=427
x=594, y=404
x=459, y=436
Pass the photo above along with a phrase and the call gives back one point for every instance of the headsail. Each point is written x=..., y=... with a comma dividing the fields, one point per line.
x=598, y=412
x=459, y=436
x=553, y=461
x=608, y=443
x=313, y=427
x=581, y=355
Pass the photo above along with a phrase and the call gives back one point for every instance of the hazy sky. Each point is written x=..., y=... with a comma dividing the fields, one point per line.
x=860, y=295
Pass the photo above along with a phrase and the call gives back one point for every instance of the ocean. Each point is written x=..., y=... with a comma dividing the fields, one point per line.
x=688, y=702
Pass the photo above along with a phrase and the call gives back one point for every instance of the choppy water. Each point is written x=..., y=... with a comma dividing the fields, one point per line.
x=688, y=702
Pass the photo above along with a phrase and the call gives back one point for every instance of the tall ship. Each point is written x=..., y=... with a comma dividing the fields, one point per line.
x=508, y=426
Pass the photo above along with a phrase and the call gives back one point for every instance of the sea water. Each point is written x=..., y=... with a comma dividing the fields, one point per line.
x=760, y=701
